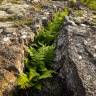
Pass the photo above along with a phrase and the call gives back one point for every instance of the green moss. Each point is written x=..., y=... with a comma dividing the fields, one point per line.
x=90, y=3
x=48, y=34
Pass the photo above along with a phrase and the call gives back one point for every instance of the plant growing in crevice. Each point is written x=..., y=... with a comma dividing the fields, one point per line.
x=40, y=57
x=48, y=34
x=37, y=66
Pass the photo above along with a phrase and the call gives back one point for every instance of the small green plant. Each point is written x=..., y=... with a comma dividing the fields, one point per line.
x=40, y=57
x=23, y=81
x=36, y=66
x=48, y=34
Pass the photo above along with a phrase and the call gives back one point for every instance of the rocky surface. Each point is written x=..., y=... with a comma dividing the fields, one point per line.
x=19, y=23
x=76, y=54
x=75, y=59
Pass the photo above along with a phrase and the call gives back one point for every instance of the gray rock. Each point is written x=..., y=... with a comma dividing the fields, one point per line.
x=14, y=38
x=44, y=21
x=75, y=59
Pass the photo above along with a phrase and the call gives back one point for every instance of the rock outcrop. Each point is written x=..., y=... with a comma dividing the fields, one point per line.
x=76, y=54
x=75, y=60
x=19, y=23
x=75, y=57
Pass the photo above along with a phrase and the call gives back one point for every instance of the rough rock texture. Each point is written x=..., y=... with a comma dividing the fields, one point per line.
x=19, y=23
x=75, y=57
x=76, y=54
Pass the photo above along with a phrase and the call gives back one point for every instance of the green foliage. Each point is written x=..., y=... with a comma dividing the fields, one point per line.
x=23, y=81
x=37, y=67
x=48, y=35
x=40, y=57
x=90, y=3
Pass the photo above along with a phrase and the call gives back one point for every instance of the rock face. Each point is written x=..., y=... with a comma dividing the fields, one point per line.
x=76, y=55
x=75, y=59
x=19, y=23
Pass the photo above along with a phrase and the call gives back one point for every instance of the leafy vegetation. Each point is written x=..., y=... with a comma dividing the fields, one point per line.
x=36, y=66
x=41, y=54
x=90, y=3
x=48, y=34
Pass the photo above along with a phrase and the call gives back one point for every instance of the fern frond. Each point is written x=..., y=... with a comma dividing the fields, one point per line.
x=23, y=81
x=46, y=74
x=33, y=73
x=41, y=55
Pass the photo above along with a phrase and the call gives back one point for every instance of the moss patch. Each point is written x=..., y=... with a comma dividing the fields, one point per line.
x=90, y=3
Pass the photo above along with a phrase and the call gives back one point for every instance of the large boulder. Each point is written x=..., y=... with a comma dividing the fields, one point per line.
x=76, y=56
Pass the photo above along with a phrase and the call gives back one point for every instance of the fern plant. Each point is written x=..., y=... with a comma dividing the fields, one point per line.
x=48, y=34
x=40, y=57
x=23, y=81
x=37, y=66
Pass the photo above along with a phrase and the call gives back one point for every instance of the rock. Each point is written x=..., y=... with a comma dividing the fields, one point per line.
x=3, y=14
x=13, y=39
x=36, y=1
x=6, y=24
x=10, y=65
x=15, y=9
x=75, y=59
x=44, y=21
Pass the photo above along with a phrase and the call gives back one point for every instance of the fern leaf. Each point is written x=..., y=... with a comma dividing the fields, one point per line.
x=46, y=74
x=33, y=74
x=23, y=81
